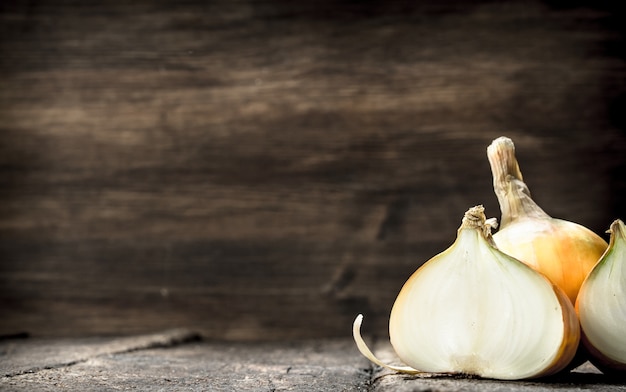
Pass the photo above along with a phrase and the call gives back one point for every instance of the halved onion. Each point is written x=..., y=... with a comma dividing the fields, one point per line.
x=601, y=305
x=473, y=309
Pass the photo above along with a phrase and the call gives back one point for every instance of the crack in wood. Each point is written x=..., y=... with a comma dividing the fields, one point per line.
x=120, y=346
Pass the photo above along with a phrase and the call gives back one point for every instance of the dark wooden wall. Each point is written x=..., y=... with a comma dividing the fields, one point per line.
x=269, y=169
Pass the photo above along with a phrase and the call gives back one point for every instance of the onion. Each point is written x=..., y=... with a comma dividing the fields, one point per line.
x=563, y=251
x=475, y=310
x=601, y=306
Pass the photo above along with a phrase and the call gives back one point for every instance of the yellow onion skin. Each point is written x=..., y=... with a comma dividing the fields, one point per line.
x=563, y=251
x=601, y=306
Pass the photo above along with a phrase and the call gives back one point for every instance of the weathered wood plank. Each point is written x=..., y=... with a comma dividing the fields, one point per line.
x=25, y=356
x=261, y=170
x=322, y=365
x=160, y=361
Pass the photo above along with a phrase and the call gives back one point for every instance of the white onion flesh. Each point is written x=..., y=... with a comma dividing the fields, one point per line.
x=602, y=300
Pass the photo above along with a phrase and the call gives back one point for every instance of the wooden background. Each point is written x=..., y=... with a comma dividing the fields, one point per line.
x=269, y=169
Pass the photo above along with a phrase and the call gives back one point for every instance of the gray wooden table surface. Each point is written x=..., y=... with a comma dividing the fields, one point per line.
x=179, y=360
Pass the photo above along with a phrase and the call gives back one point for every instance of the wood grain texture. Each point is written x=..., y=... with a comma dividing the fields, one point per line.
x=96, y=364
x=269, y=169
x=174, y=361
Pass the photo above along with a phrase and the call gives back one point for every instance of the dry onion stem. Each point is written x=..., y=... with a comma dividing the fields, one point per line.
x=564, y=251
